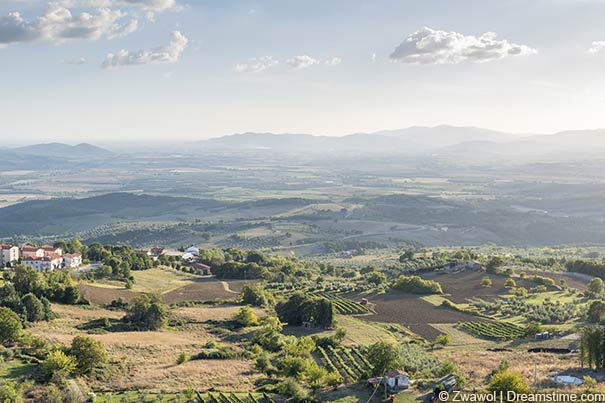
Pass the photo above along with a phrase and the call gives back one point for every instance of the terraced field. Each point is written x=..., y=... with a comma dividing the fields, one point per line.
x=413, y=313
x=493, y=330
x=349, y=362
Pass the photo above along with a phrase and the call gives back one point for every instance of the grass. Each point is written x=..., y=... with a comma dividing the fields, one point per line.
x=364, y=333
x=158, y=280
x=15, y=369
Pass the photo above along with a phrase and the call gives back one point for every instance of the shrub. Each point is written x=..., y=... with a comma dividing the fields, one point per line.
x=508, y=380
x=88, y=352
x=182, y=358
x=10, y=326
x=245, y=317
x=10, y=393
x=417, y=285
x=58, y=364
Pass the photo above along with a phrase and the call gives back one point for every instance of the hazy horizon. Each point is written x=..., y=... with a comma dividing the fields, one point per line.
x=105, y=70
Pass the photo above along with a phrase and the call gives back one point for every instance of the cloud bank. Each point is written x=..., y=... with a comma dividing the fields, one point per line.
x=302, y=62
x=58, y=25
x=163, y=54
x=256, y=65
x=429, y=46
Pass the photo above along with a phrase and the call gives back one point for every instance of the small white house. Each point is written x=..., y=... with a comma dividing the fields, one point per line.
x=48, y=262
x=193, y=250
x=8, y=254
x=72, y=260
x=397, y=380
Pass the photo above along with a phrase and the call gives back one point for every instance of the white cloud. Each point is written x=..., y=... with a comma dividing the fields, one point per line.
x=164, y=54
x=429, y=46
x=373, y=57
x=302, y=62
x=58, y=25
x=256, y=65
x=154, y=6
x=596, y=47
x=75, y=62
x=335, y=61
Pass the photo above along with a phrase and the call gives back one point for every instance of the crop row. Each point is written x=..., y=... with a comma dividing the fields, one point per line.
x=347, y=362
x=344, y=306
x=493, y=330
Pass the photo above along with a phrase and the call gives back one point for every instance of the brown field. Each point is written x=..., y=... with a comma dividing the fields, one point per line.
x=147, y=360
x=413, y=312
x=200, y=289
x=202, y=314
x=477, y=364
x=104, y=295
x=459, y=287
x=205, y=289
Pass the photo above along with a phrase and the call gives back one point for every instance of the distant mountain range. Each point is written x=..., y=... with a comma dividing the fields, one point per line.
x=62, y=150
x=439, y=140
x=446, y=140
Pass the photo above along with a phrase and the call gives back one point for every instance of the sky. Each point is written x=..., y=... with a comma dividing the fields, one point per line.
x=153, y=70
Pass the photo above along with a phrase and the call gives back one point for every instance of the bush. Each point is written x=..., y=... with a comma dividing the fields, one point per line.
x=57, y=364
x=10, y=326
x=246, y=317
x=507, y=380
x=182, y=358
x=10, y=393
x=291, y=388
x=417, y=285
x=88, y=352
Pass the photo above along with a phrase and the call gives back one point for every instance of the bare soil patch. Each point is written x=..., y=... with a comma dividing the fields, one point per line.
x=206, y=289
x=104, y=295
x=414, y=313
x=461, y=286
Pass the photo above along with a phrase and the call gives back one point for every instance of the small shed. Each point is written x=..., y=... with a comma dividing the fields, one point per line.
x=193, y=250
x=567, y=380
x=395, y=381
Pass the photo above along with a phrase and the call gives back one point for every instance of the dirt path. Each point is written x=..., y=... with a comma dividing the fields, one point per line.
x=227, y=288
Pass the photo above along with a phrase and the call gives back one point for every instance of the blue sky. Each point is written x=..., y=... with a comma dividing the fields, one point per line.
x=198, y=69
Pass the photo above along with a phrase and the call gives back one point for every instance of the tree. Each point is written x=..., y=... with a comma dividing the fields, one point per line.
x=148, y=313
x=442, y=340
x=57, y=364
x=383, y=357
x=407, y=255
x=377, y=278
x=34, y=309
x=510, y=283
x=532, y=329
x=245, y=317
x=596, y=286
x=10, y=393
x=333, y=379
x=508, y=380
x=493, y=265
x=486, y=282
x=10, y=326
x=88, y=352
x=596, y=312
x=316, y=376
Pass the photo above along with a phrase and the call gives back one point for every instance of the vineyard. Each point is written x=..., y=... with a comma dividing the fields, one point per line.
x=191, y=397
x=350, y=363
x=343, y=306
x=492, y=330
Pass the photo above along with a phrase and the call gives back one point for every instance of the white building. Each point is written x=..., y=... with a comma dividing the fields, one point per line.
x=8, y=254
x=72, y=260
x=28, y=251
x=49, y=262
x=49, y=249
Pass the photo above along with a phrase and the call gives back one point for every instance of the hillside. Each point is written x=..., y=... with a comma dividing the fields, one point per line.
x=63, y=150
